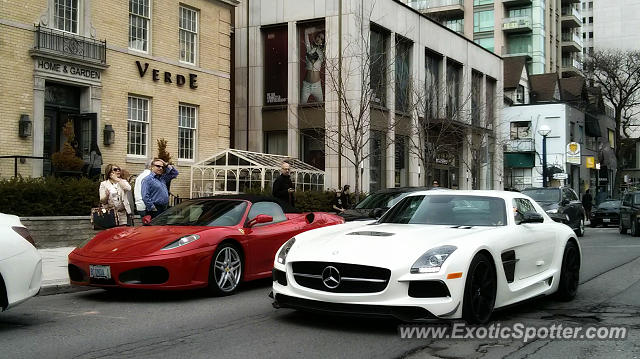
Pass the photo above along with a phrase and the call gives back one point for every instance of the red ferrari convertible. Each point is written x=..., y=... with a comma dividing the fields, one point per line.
x=213, y=242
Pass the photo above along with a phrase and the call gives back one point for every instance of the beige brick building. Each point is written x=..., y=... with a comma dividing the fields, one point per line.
x=139, y=70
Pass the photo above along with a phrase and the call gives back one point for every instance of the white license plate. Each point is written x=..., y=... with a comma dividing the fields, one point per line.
x=605, y=220
x=98, y=271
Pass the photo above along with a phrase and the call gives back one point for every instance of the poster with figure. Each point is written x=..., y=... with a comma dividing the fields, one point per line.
x=275, y=65
x=312, y=62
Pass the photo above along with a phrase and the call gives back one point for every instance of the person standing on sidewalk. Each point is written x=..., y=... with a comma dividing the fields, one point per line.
x=587, y=203
x=114, y=193
x=155, y=192
x=283, y=188
x=137, y=189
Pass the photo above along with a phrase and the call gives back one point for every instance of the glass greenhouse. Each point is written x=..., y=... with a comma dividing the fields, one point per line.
x=236, y=171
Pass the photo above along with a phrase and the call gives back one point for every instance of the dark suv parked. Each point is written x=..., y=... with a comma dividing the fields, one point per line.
x=561, y=204
x=629, y=211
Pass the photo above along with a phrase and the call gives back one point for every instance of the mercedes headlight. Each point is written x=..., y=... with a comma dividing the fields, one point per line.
x=181, y=242
x=284, y=250
x=553, y=210
x=432, y=260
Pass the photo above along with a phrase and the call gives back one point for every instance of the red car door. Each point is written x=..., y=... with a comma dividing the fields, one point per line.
x=264, y=239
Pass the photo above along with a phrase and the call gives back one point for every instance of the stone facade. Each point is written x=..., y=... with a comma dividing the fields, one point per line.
x=36, y=61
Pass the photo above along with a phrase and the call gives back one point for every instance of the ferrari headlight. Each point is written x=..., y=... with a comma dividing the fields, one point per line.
x=284, y=250
x=432, y=260
x=553, y=210
x=181, y=242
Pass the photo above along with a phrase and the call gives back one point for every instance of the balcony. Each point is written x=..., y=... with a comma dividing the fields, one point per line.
x=570, y=17
x=455, y=26
x=520, y=145
x=516, y=24
x=571, y=66
x=440, y=8
x=571, y=42
x=511, y=51
x=68, y=46
x=512, y=3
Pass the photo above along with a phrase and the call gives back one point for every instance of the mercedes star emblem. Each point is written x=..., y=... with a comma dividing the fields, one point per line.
x=331, y=277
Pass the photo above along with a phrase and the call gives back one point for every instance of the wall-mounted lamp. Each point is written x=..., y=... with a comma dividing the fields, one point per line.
x=24, y=126
x=109, y=135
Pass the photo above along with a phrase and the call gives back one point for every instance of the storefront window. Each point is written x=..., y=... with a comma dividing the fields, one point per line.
x=276, y=142
x=376, y=169
x=137, y=126
x=401, y=161
x=403, y=70
x=187, y=116
x=432, y=83
x=313, y=147
x=378, y=66
x=275, y=65
x=139, y=18
x=65, y=15
x=312, y=62
x=453, y=89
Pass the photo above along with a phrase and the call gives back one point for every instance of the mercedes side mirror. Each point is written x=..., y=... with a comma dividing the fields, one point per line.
x=377, y=213
x=532, y=217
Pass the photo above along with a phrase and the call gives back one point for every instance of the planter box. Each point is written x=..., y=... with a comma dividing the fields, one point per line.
x=63, y=231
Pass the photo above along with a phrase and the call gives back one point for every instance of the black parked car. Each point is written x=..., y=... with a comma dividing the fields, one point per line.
x=375, y=204
x=629, y=211
x=607, y=212
x=561, y=204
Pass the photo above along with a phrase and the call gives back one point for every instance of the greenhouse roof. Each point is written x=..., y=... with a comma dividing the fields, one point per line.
x=235, y=158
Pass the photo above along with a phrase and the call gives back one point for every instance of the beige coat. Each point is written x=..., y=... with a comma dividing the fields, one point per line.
x=123, y=188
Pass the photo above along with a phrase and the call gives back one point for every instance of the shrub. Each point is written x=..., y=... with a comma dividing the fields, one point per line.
x=48, y=196
x=307, y=201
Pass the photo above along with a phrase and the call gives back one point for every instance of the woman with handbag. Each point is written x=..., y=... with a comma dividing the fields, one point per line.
x=114, y=193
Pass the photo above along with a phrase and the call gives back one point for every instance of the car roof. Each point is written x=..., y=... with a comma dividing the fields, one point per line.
x=507, y=195
x=400, y=190
x=253, y=198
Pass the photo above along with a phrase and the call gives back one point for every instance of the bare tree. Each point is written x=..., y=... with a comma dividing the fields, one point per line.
x=617, y=74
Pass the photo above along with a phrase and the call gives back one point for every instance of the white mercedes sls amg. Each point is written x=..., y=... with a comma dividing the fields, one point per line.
x=433, y=255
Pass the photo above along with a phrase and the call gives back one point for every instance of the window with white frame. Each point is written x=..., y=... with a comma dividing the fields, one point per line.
x=65, y=15
x=188, y=34
x=139, y=18
x=137, y=126
x=187, y=124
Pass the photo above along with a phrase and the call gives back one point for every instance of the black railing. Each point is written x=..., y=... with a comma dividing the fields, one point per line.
x=67, y=44
x=18, y=157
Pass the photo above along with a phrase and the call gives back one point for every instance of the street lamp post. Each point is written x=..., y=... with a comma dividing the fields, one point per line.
x=544, y=131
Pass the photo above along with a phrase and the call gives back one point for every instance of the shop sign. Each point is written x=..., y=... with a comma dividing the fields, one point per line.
x=167, y=77
x=573, y=153
x=67, y=69
x=590, y=161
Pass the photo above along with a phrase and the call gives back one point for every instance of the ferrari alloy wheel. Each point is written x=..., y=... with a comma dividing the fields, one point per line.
x=226, y=270
x=580, y=230
x=621, y=228
x=479, y=291
x=569, y=273
x=635, y=232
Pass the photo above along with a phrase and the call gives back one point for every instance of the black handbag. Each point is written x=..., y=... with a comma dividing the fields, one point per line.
x=104, y=218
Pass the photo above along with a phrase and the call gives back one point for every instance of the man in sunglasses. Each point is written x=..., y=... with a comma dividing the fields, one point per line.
x=155, y=187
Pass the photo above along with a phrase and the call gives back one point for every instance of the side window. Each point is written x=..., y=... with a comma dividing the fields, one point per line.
x=572, y=195
x=627, y=200
x=523, y=205
x=270, y=209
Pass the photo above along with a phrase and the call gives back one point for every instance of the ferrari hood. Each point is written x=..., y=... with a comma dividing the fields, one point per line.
x=136, y=242
x=379, y=244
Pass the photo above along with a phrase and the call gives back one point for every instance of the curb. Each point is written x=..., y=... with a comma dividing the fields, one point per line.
x=62, y=288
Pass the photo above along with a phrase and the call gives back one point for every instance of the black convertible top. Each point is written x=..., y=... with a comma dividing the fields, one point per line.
x=253, y=198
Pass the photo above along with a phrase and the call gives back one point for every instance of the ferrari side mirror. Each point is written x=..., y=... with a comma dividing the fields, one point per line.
x=261, y=218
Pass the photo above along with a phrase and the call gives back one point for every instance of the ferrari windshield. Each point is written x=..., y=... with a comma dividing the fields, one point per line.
x=543, y=194
x=381, y=200
x=455, y=210
x=204, y=212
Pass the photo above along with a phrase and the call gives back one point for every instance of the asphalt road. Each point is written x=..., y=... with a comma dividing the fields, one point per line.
x=101, y=324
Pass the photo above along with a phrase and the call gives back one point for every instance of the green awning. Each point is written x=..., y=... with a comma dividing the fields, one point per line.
x=519, y=160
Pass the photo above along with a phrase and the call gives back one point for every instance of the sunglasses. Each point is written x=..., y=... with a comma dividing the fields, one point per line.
x=159, y=166
x=115, y=169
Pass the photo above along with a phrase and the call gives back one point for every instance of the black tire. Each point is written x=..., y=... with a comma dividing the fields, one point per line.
x=593, y=224
x=621, y=228
x=635, y=231
x=479, y=290
x=225, y=270
x=580, y=230
x=569, y=273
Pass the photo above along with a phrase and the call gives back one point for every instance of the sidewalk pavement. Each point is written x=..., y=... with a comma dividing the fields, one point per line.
x=55, y=277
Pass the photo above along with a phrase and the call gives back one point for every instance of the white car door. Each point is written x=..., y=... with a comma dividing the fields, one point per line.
x=533, y=243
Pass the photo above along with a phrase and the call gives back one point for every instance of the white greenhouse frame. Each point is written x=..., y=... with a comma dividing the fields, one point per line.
x=235, y=171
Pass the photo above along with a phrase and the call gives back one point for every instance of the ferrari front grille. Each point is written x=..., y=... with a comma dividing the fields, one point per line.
x=340, y=277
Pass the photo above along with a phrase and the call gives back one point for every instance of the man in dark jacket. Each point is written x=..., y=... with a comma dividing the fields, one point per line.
x=283, y=187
